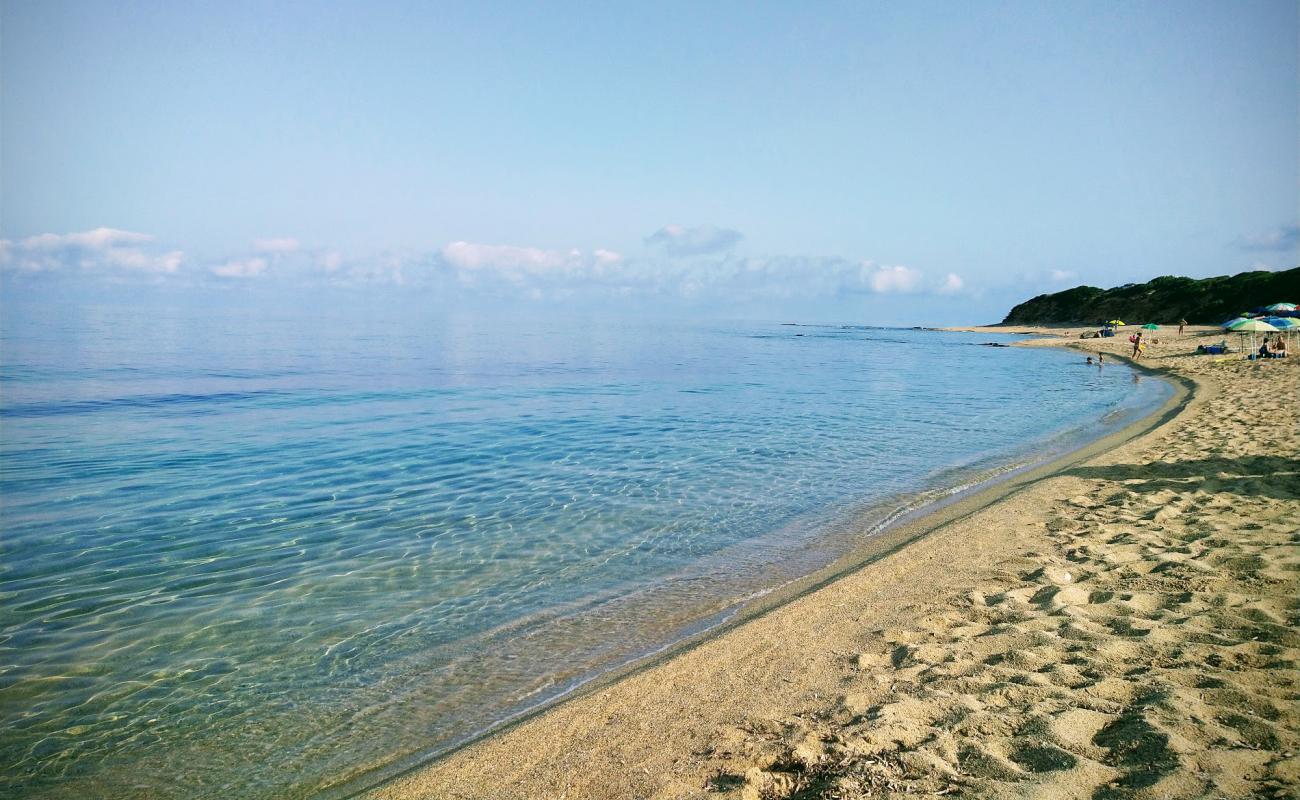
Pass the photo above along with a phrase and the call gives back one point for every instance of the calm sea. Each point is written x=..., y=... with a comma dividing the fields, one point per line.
x=253, y=556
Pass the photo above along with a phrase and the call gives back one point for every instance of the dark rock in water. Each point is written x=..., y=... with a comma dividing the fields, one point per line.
x=995, y=344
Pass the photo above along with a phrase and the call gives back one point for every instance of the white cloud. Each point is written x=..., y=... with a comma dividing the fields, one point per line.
x=467, y=255
x=330, y=261
x=891, y=280
x=246, y=268
x=97, y=239
x=678, y=240
x=98, y=250
x=282, y=245
x=499, y=270
x=130, y=258
x=1284, y=238
x=952, y=284
x=1062, y=275
x=479, y=263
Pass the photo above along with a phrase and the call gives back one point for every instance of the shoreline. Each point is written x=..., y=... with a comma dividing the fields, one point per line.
x=904, y=527
x=587, y=745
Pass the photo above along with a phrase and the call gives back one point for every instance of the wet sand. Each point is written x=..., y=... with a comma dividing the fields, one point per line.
x=1124, y=624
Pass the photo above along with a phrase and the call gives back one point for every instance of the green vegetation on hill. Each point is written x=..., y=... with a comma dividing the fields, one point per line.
x=1206, y=301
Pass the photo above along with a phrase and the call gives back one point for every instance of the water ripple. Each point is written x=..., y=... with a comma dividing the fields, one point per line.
x=333, y=552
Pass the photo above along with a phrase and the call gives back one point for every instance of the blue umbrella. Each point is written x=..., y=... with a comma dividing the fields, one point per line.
x=1284, y=324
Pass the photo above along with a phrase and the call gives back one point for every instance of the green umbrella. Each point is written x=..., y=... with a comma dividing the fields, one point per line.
x=1280, y=307
x=1150, y=326
x=1251, y=326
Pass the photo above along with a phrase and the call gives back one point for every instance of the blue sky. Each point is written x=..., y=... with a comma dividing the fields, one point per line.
x=878, y=163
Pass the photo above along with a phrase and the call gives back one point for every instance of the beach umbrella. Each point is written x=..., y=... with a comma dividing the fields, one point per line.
x=1233, y=321
x=1251, y=326
x=1116, y=322
x=1150, y=326
x=1280, y=307
x=1287, y=325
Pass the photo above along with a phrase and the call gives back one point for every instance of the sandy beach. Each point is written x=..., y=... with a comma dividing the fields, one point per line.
x=1122, y=625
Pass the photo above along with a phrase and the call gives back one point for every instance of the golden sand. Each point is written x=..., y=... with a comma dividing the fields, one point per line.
x=1123, y=626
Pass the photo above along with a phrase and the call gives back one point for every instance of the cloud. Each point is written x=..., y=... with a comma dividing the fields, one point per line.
x=466, y=255
x=607, y=256
x=101, y=249
x=891, y=280
x=1062, y=275
x=133, y=259
x=331, y=261
x=1284, y=238
x=952, y=284
x=479, y=264
x=97, y=239
x=677, y=241
x=282, y=245
x=464, y=269
x=246, y=268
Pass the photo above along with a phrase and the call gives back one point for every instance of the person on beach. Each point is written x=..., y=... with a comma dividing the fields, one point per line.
x=1101, y=359
x=1137, y=345
x=1182, y=323
x=1279, y=347
x=1264, y=351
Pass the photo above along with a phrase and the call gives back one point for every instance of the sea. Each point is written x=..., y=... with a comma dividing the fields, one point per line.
x=252, y=554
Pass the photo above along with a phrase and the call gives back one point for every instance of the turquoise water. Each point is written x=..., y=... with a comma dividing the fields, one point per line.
x=255, y=556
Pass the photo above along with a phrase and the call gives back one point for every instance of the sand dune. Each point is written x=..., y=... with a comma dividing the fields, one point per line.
x=1128, y=626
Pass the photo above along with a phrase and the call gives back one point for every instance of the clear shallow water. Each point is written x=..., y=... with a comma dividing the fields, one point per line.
x=247, y=556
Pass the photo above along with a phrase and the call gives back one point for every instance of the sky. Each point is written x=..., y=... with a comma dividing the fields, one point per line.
x=876, y=163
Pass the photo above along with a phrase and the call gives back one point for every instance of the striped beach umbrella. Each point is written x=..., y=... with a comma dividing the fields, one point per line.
x=1282, y=323
x=1251, y=326
x=1288, y=325
x=1276, y=307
